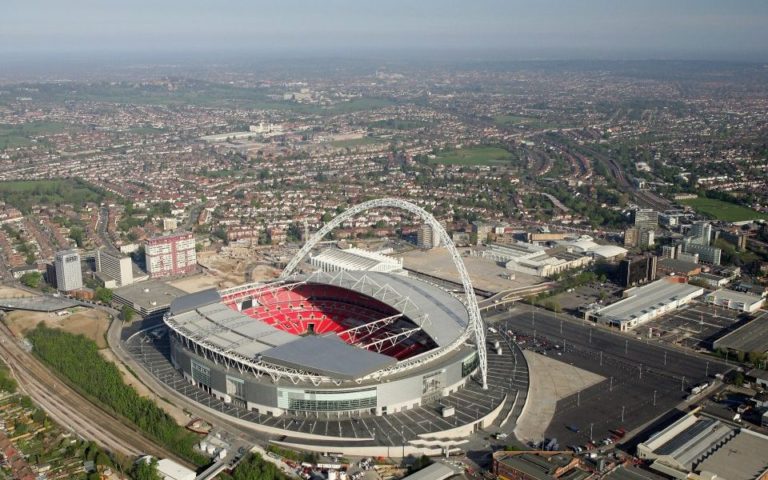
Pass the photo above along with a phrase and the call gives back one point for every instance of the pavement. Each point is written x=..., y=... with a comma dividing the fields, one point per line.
x=551, y=381
x=643, y=377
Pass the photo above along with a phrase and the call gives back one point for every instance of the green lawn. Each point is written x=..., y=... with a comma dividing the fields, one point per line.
x=720, y=210
x=22, y=194
x=356, y=142
x=474, y=156
x=13, y=136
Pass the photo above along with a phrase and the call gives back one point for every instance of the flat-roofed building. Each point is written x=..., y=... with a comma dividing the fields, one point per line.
x=642, y=304
x=171, y=255
x=697, y=446
x=150, y=299
x=117, y=269
x=743, y=302
x=334, y=260
x=69, y=275
x=537, y=466
x=646, y=219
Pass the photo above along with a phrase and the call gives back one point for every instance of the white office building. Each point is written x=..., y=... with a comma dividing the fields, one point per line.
x=69, y=275
x=116, y=270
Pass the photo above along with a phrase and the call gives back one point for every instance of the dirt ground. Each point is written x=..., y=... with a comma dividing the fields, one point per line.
x=229, y=272
x=196, y=283
x=87, y=321
x=10, y=292
x=128, y=377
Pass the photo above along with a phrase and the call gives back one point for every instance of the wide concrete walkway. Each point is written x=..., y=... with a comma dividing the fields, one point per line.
x=550, y=380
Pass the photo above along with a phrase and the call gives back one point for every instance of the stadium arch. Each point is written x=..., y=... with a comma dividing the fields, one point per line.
x=475, y=320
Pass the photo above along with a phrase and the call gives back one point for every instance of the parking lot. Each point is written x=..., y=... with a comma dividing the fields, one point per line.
x=643, y=379
x=694, y=326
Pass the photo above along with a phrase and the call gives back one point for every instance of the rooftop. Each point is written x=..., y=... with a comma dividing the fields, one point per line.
x=734, y=296
x=647, y=298
x=150, y=295
x=752, y=336
x=739, y=459
x=328, y=355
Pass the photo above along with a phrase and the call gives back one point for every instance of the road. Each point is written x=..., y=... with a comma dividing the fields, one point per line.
x=69, y=408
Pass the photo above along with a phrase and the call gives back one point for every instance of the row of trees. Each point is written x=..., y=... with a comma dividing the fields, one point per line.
x=77, y=359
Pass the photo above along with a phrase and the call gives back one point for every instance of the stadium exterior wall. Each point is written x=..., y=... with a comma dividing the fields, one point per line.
x=262, y=394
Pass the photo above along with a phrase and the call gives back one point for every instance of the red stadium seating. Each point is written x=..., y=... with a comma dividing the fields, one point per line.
x=322, y=309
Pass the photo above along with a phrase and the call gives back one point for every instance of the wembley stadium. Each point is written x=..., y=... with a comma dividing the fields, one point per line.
x=354, y=361
x=350, y=342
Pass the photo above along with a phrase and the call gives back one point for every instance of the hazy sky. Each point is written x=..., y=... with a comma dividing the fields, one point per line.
x=718, y=29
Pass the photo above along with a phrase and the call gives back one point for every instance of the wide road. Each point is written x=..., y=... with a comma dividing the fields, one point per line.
x=69, y=408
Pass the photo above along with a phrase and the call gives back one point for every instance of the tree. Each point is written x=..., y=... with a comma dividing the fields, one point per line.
x=31, y=279
x=127, y=313
x=145, y=469
x=77, y=234
x=103, y=295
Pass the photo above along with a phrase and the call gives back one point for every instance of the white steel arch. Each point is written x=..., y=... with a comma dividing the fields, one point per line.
x=475, y=320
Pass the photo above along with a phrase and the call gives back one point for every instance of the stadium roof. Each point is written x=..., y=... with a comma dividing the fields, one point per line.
x=204, y=319
x=447, y=317
x=328, y=355
x=194, y=300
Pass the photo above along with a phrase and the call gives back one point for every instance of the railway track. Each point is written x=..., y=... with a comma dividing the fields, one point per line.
x=72, y=410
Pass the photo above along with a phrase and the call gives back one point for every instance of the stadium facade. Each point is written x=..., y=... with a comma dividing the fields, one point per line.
x=339, y=343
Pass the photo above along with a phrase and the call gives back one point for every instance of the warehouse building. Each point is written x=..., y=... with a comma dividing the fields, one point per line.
x=697, y=446
x=642, y=304
x=743, y=302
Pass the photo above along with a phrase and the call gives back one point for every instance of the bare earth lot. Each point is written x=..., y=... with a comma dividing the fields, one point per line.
x=10, y=292
x=86, y=321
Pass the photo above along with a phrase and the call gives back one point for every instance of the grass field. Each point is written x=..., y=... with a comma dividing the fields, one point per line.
x=356, y=142
x=22, y=194
x=720, y=210
x=13, y=136
x=474, y=156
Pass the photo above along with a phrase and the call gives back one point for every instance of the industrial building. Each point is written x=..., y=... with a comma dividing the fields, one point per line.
x=743, y=302
x=171, y=255
x=697, y=446
x=69, y=275
x=150, y=299
x=115, y=269
x=645, y=303
x=334, y=260
x=534, y=259
x=750, y=337
x=538, y=466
